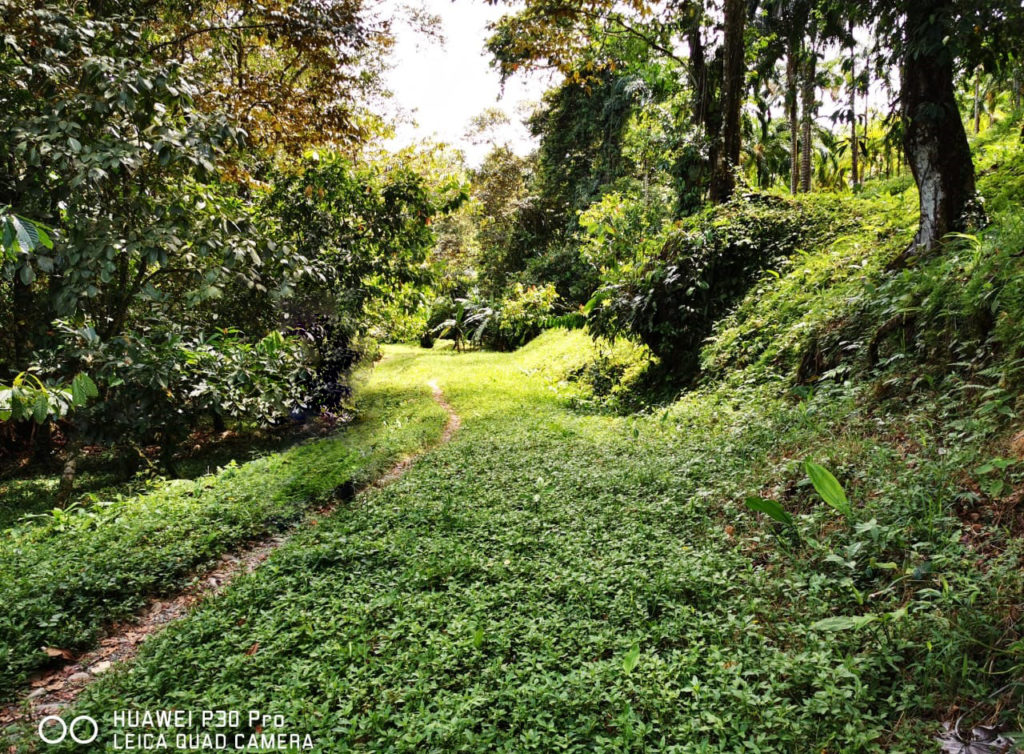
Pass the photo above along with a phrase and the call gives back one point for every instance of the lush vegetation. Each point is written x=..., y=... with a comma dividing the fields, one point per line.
x=66, y=573
x=737, y=352
x=620, y=596
x=173, y=230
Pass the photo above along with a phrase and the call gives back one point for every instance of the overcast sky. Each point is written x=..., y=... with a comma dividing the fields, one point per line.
x=441, y=86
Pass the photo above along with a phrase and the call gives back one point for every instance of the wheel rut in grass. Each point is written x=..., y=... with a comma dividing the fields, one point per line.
x=51, y=690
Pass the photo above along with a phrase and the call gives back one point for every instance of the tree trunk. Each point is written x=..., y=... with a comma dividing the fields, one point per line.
x=723, y=178
x=977, y=103
x=707, y=114
x=24, y=323
x=808, y=92
x=791, y=111
x=854, y=145
x=934, y=138
x=764, y=118
x=698, y=76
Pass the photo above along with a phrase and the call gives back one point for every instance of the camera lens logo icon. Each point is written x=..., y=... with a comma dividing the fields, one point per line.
x=83, y=729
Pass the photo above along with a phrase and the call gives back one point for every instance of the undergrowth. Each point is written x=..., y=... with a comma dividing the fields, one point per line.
x=557, y=579
x=65, y=575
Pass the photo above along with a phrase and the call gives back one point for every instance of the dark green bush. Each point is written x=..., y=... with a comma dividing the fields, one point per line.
x=670, y=301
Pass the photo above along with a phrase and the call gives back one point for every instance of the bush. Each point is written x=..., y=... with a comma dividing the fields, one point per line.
x=670, y=301
x=155, y=383
x=520, y=317
x=506, y=326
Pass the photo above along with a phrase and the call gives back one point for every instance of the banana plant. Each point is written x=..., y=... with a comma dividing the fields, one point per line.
x=468, y=323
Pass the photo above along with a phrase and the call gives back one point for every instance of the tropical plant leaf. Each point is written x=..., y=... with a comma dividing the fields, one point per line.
x=632, y=659
x=828, y=487
x=82, y=389
x=770, y=508
x=844, y=622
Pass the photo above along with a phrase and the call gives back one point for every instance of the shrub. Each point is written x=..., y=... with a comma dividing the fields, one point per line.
x=520, y=317
x=505, y=326
x=671, y=300
x=156, y=382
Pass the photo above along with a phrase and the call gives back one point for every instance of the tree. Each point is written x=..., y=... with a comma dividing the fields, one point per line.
x=808, y=99
x=855, y=85
x=105, y=144
x=562, y=35
x=934, y=138
x=931, y=40
x=290, y=72
x=734, y=92
x=784, y=24
x=364, y=230
x=500, y=190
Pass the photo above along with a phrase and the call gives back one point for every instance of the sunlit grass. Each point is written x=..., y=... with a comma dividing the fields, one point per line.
x=557, y=580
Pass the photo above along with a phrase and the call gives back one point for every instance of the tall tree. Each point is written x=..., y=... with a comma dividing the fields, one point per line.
x=852, y=116
x=934, y=138
x=554, y=35
x=787, y=22
x=931, y=40
x=291, y=72
x=792, y=113
x=808, y=101
x=734, y=91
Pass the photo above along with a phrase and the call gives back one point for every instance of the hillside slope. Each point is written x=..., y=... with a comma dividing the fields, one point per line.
x=553, y=580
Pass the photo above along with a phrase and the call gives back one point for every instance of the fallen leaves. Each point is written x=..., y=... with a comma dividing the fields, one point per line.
x=54, y=652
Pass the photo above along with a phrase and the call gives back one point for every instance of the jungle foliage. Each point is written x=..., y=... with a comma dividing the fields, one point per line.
x=173, y=176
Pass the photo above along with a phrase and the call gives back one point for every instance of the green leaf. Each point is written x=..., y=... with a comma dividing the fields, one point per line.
x=82, y=389
x=28, y=236
x=44, y=237
x=844, y=622
x=770, y=508
x=41, y=407
x=993, y=464
x=27, y=274
x=828, y=487
x=632, y=659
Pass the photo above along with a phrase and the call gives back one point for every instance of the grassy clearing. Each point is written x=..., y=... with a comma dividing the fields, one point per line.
x=557, y=581
x=62, y=580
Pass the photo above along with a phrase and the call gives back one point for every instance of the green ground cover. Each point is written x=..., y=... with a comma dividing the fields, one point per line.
x=553, y=580
x=62, y=579
x=562, y=577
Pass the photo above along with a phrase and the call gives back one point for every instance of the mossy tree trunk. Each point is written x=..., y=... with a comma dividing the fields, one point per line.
x=723, y=176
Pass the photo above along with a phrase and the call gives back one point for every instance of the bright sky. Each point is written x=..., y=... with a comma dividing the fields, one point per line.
x=441, y=86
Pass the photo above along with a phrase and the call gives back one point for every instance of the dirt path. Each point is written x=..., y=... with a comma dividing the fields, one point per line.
x=51, y=690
